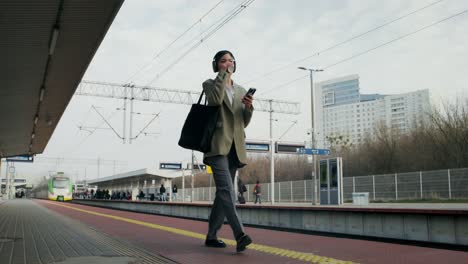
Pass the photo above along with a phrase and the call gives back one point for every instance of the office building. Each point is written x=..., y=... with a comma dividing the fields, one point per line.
x=345, y=116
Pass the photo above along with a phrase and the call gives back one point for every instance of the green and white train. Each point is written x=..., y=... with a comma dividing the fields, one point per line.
x=57, y=188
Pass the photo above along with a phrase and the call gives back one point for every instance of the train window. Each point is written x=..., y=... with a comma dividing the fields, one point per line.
x=61, y=183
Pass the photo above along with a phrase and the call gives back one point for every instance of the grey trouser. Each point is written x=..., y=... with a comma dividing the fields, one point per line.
x=258, y=198
x=224, y=170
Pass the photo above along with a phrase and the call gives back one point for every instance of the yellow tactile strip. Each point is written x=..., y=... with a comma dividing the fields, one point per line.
x=307, y=257
x=117, y=246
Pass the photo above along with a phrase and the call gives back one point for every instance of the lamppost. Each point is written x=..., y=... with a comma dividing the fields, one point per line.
x=312, y=131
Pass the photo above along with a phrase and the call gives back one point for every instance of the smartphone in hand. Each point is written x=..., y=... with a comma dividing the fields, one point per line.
x=251, y=92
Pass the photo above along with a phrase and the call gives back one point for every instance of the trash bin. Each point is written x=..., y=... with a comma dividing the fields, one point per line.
x=360, y=198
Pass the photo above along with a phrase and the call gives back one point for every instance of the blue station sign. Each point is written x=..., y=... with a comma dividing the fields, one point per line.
x=291, y=148
x=257, y=146
x=311, y=151
x=170, y=166
x=21, y=158
x=16, y=180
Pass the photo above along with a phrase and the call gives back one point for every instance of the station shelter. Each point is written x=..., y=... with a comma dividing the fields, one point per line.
x=147, y=180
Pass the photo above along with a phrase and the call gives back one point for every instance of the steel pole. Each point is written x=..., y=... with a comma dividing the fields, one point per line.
x=183, y=186
x=272, y=157
x=1, y=175
x=312, y=132
x=192, y=191
x=7, y=181
x=131, y=116
x=124, y=115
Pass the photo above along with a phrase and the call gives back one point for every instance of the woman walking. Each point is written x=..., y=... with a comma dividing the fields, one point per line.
x=227, y=147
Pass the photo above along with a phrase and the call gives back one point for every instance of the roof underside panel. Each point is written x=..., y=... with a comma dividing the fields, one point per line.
x=26, y=30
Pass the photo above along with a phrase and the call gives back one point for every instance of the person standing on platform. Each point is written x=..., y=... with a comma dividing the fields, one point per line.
x=241, y=189
x=174, y=193
x=258, y=193
x=227, y=152
x=162, y=193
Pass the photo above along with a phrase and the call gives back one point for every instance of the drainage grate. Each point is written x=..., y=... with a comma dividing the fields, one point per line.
x=99, y=259
x=139, y=255
x=8, y=239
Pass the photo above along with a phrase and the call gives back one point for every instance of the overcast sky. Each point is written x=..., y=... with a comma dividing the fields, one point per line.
x=267, y=35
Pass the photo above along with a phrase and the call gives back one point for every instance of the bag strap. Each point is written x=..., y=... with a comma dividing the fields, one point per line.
x=201, y=95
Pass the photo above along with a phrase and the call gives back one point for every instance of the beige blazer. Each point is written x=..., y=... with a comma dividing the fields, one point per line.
x=232, y=119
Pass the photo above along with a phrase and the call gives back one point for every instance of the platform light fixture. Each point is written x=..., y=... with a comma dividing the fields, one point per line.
x=313, y=130
x=53, y=41
x=41, y=94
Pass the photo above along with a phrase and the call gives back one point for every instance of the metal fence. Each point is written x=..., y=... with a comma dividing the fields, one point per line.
x=438, y=184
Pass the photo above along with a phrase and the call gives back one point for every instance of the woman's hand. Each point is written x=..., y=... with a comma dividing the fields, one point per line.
x=227, y=66
x=247, y=100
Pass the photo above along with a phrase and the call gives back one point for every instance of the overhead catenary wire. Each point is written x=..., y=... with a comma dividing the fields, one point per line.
x=86, y=116
x=70, y=150
x=226, y=18
x=372, y=49
x=107, y=122
x=287, y=130
x=285, y=84
x=213, y=25
x=229, y=17
x=396, y=39
x=77, y=161
x=158, y=54
x=143, y=129
x=343, y=42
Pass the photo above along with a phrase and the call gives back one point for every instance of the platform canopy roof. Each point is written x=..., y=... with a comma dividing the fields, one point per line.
x=45, y=49
x=141, y=175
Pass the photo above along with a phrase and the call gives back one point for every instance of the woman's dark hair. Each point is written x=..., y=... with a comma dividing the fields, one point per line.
x=218, y=56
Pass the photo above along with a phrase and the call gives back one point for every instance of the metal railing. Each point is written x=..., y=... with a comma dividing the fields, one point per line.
x=437, y=184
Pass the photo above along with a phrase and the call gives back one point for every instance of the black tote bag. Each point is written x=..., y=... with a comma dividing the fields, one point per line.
x=199, y=126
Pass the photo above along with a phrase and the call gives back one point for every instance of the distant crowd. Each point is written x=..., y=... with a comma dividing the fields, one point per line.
x=104, y=195
x=161, y=195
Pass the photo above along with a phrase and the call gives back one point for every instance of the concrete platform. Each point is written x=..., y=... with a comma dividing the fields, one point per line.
x=426, y=223
x=30, y=233
x=182, y=240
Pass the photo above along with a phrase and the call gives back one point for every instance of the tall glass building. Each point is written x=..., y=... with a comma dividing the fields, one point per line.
x=340, y=92
x=342, y=112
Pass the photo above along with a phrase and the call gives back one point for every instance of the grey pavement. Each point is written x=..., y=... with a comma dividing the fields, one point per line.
x=30, y=233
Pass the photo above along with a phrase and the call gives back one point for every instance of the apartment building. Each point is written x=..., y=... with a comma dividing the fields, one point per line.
x=345, y=115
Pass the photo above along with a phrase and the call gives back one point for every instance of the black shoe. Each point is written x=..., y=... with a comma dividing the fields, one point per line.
x=216, y=243
x=243, y=242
